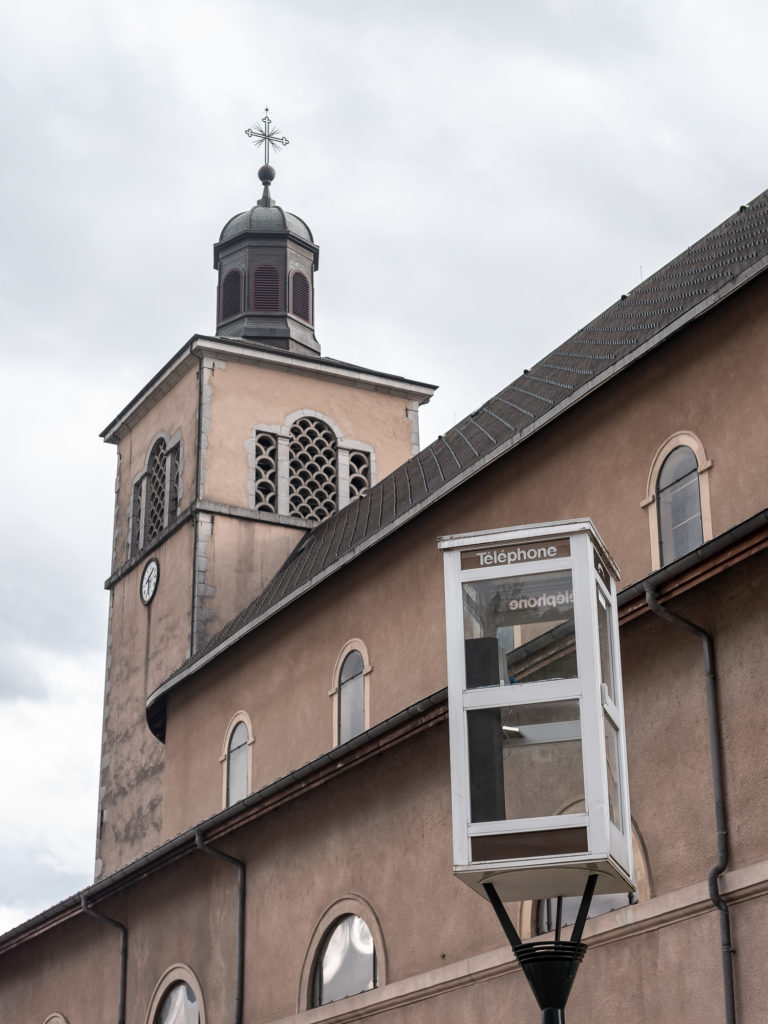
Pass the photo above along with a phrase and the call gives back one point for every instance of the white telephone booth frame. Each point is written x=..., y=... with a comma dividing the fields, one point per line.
x=573, y=546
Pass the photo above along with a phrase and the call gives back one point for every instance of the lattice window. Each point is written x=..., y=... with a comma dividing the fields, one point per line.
x=265, y=288
x=313, y=469
x=231, y=294
x=156, y=495
x=156, y=478
x=266, y=472
x=300, y=304
x=359, y=474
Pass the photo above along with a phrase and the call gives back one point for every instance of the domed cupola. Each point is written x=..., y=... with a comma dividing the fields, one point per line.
x=266, y=259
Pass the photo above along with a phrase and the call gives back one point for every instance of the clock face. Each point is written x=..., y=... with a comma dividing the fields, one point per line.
x=149, y=580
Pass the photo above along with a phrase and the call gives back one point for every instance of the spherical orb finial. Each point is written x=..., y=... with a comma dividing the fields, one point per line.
x=266, y=174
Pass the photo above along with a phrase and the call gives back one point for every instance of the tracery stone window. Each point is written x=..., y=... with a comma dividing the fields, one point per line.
x=265, y=454
x=313, y=469
x=359, y=474
x=304, y=469
x=156, y=494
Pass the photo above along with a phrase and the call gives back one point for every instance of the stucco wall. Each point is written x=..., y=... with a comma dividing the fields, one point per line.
x=175, y=412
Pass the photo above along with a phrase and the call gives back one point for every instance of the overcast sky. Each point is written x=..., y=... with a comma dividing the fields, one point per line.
x=482, y=178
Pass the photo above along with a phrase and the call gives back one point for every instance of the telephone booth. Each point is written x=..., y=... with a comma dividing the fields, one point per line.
x=538, y=756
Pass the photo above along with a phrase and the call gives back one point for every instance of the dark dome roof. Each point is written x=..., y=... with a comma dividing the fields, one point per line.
x=266, y=219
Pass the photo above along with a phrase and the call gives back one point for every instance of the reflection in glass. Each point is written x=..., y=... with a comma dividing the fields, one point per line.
x=679, y=505
x=519, y=629
x=237, y=764
x=346, y=963
x=602, y=903
x=524, y=761
x=612, y=763
x=179, y=1006
x=351, y=697
x=606, y=646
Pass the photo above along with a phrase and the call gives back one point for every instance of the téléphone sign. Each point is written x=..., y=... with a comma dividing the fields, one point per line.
x=544, y=550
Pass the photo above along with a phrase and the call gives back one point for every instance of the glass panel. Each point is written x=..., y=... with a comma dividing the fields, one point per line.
x=352, y=707
x=519, y=629
x=614, y=780
x=353, y=665
x=679, y=505
x=346, y=963
x=606, y=645
x=524, y=761
x=179, y=1006
x=546, y=910
x=237, y=768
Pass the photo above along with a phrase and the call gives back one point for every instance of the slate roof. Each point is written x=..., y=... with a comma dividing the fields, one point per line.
x=724, y=260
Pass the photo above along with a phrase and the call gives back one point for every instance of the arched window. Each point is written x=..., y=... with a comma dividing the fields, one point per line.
x=677, y=498
x=351, y=697
x=179, y=1006
x=678, y=504
x=313, y=469
x=237, y=764
x=177, y=998
x=156, y=494
x=265, y=288
x=231, y=294
x=346, y=961
x=300, y=302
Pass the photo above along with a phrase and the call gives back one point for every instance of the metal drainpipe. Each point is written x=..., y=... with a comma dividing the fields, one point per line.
x=201, y=845
x=713, y=717
x=123, y=953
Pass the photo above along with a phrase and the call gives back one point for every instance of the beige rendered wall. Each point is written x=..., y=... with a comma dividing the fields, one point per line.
x=593, y=462
x=176, y=411
x=378, y=834
x=243, y=395
x=145, y=644
x=242, y=555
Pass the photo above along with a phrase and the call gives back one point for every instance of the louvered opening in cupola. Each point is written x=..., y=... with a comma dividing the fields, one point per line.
x=300, y=305
x=231, y=294
x=265, y=288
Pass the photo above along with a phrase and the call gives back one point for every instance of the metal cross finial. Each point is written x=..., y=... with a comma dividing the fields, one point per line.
x=266, y=136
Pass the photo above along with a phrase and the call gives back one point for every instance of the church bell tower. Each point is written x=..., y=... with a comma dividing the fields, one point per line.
x=242, y=442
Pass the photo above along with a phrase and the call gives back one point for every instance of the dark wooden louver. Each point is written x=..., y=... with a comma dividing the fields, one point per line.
x=265, y=288
x=231, y=295
x=300, y=296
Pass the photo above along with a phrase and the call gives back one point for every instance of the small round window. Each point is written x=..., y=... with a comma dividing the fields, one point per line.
x=179, y=1006
x=346, y=962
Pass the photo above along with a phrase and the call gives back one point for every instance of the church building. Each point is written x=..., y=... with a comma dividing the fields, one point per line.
x=274, y=828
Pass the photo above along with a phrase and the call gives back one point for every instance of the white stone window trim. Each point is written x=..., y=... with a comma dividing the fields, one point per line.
x=355, y=644
x=235, y=720
x=173, y=975
x=681, y=438
x=282, y=432
x=141, y=478
x=352, y=903
x=56, y=1018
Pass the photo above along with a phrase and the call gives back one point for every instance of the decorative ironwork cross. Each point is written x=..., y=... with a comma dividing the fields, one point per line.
x=266, y=136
